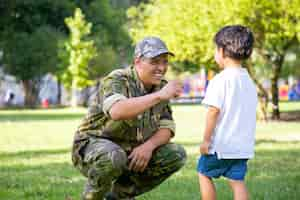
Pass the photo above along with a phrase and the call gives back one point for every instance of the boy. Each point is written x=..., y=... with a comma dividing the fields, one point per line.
x=231, y=98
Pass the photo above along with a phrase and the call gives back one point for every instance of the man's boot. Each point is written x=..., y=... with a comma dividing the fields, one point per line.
x=90, y=193
x=112, y=196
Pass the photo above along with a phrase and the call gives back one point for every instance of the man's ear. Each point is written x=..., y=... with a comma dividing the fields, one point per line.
x=136, y=61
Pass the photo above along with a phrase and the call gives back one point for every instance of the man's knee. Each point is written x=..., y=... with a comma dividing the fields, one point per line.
x=172, y=155
x=111, y=164
x=182, y=155
x=179, y=155
x=118, y=159
x=102, y=170
x=103, y=158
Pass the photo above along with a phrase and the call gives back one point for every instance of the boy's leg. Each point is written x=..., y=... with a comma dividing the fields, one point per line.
x=239, y=189
x=207, y=188
x=166, y=160
x=236, y=175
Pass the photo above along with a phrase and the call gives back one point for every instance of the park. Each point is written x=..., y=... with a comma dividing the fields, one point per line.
x=55, y=54
x=36, y=161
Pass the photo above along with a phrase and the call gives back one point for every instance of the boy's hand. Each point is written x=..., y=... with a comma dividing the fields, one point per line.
x=204, y=146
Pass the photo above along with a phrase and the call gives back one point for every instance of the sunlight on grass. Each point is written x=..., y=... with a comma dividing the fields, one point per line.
x=35, y=160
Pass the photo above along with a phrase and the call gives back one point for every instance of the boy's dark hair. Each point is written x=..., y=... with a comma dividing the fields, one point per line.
x=236, y=41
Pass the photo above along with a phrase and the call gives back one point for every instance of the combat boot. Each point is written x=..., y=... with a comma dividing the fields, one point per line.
x=90, y=193
x=112, y=196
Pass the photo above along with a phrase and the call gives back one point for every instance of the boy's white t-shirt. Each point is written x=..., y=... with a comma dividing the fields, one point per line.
x=234, y=93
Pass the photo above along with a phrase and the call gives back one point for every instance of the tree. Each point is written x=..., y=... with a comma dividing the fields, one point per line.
x=81, y=51
x=292, y=63
x=109, y=28
x=188, y=28
x=29, y=69
x=276, y=24
x=110, y=38
x=126, y=3
x=20, y=21
x=30, y=31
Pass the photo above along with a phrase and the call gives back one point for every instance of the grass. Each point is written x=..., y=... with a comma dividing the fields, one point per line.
x=35, y=161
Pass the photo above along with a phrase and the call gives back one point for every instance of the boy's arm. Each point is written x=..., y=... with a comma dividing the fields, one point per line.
x=211, y=120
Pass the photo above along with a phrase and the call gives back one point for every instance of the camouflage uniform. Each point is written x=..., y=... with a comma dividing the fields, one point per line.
x=101, y=145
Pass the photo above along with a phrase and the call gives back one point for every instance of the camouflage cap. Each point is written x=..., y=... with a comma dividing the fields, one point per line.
x=151, y=47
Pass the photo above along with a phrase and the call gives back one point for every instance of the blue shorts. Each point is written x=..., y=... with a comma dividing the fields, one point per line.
x=211, y=166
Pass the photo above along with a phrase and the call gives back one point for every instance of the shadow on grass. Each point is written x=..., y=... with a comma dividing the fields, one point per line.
x=290, y=116
x=49, y=181
x=257, y=142
x=13, y=117
x=260, y=141
x=271, y=175
x=29, y=154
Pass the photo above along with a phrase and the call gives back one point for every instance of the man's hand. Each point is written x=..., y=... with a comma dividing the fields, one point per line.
x=140, y=157
x=204, y=146
x=171, y=90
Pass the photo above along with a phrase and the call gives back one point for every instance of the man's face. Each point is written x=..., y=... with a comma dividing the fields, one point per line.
x=152, y=70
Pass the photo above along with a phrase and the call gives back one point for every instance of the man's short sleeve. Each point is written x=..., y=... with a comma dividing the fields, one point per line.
x=214, y=94
x=114, y=89
x=166, y=119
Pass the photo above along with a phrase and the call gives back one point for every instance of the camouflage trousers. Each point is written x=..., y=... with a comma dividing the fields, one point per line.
x=105, y=165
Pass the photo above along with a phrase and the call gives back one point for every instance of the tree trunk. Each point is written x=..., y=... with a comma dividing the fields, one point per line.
x=276, y=68
x=74, y=98
x=263, y=97
x=30, y=91
x=274, y=91
x=98, y=97
x=86, y=96
x=58, y=92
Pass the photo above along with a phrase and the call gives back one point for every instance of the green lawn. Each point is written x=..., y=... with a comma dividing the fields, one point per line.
x=35, y=157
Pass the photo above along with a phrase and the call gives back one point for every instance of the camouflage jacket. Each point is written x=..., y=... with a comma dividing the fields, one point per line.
x=121, y=84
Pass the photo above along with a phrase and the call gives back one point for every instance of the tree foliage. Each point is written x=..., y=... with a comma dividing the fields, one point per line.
x=81, y=50
x=30, y=32
x=109, y=30
x=188, y=28
x=32, y=35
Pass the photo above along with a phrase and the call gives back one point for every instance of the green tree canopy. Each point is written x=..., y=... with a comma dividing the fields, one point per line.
x=31, y=31
x=81, y=51
x=188, y=28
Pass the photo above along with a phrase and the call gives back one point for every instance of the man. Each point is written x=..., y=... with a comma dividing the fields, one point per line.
x=122, y=146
